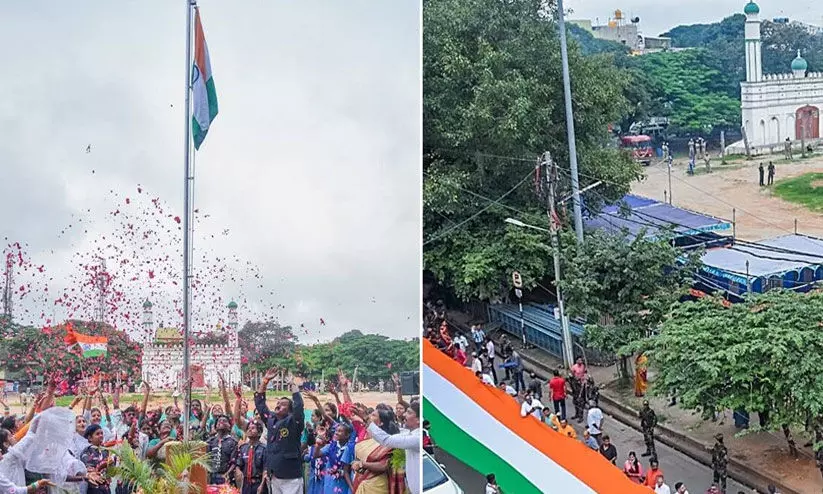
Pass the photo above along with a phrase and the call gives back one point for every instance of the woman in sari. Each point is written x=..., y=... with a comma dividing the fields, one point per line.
x=372, y=460
x=379, y=469
x=641, y=365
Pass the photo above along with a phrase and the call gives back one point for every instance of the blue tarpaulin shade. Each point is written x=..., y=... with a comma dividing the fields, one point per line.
x=655, y=217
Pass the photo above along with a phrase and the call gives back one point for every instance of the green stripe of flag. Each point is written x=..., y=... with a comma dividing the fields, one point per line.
x=458, y=443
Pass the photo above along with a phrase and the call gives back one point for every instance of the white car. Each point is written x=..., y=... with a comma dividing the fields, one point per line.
x=435, y=478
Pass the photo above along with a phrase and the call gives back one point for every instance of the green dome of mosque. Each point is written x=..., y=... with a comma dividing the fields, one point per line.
x=147, y=305
x=799, y=63
x=232, y=305
x=751, y=8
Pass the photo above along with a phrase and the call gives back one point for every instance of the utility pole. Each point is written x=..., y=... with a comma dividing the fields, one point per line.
x=669, y=167
x=8, y=288
x=567, y=92
x=551, y=182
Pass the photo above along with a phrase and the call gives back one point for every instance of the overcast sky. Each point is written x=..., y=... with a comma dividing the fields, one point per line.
x=312, y=164
x=658, y=16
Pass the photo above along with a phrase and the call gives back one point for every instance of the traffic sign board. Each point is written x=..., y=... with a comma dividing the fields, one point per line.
x=518, y=293
x=518, y=283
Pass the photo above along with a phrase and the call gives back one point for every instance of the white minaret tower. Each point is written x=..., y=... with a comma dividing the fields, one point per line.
x=754, y=61
x=232, y=324
x=148, y=320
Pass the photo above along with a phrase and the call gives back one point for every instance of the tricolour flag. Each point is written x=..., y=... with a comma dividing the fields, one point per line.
x=92, y=346
x=204, y=105
x=481, y=426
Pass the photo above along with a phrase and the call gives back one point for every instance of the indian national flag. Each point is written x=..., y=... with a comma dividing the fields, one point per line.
x=92, y=346
x=481, y=426
x=204, y=105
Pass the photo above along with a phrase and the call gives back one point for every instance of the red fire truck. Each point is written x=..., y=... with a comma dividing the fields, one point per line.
x=640, y=147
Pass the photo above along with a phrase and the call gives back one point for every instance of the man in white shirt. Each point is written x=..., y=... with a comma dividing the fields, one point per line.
x=595, y=422
x=680, y=488
x=660, y=486
x=462, y=341
x=491, y=484
x=531, y=407
x=477, y=364
x=409, y=440
x=504, y=387
x=487, y=379
x=490, y=355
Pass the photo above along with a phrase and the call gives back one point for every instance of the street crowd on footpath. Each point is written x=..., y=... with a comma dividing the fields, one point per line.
x=500, y=365
x=268, y=446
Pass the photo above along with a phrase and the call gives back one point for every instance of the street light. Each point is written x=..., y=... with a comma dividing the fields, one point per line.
x=568, y=355
x=516, y=222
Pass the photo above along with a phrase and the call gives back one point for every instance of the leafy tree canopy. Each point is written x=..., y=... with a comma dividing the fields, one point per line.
x=763, y=354
x=375, y=356
x=493, y=101
x=700, y=93
x=632, y=281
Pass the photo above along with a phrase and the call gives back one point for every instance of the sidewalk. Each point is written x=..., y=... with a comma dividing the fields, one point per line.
x=756, y=459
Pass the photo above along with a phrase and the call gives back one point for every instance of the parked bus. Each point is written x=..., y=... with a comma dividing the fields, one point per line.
x=640, y=146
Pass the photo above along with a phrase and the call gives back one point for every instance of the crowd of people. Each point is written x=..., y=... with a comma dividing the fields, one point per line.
x=270, y=446
x=500, y=365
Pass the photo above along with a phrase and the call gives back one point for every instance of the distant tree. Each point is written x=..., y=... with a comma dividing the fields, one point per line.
x=36, y=351
x=211, y=338
x=267, y=344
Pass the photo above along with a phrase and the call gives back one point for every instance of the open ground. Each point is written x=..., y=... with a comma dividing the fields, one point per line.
x=759, y=213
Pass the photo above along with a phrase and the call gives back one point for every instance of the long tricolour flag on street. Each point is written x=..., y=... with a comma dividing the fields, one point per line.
x=204, y=105
x=481, y=426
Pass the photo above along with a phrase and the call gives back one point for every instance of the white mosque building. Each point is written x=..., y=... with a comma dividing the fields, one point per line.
x=776, y=106
x=163, y=355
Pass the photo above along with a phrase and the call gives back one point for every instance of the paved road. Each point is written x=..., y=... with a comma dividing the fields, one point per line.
x=468, y=479
x=676, y=466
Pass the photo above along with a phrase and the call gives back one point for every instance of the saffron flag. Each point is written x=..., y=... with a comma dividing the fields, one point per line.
x=204, y=105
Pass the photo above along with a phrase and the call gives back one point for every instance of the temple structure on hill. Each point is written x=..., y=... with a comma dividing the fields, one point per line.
x=776, y=106
x=163, y=356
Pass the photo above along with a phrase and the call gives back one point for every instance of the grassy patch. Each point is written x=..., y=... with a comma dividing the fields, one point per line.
x=806, y=189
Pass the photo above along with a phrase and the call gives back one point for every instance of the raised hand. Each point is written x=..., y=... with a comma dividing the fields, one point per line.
x=297, y=381
x=395, y=378
x=271, y=374
x=238, y=390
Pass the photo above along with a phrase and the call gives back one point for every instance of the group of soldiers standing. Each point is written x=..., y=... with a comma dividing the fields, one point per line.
x=720, y=455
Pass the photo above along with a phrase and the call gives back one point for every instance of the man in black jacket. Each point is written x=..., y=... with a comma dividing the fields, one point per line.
x=284, y=462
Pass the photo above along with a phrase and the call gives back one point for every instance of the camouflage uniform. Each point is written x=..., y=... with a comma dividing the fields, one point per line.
x=720, y=460
x=648, y=421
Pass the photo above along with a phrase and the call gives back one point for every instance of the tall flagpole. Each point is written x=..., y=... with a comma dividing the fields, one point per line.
x=188, y=180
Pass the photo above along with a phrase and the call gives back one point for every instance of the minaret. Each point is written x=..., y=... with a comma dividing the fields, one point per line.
x=754, y=64
x=148, y=320
x=799, y=66
x=232, y=324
